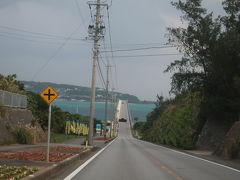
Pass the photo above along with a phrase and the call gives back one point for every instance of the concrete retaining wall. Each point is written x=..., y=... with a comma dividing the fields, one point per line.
x=10, y=118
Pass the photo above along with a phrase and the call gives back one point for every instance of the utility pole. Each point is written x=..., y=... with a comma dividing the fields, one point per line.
x=114, y=119
x=96, y=33
x=106, y=100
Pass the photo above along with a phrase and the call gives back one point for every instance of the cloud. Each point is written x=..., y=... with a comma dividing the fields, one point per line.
x=132, y=22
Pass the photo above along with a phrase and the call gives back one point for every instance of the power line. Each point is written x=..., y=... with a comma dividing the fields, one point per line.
x=35, y=33
x=111, y=47
x=80, y=13
x=107, y=58
x=105, y=64
x=38, y=40
x=147, y=55
x=139, y=49
x=101, y=75
x=25, y=39
x=54, y=54
x=105, y=53
x=111, y=76
x=138, y=44
x=29, y=35
x=14, y=34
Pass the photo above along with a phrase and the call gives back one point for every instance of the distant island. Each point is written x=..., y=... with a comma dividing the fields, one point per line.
x=80, y=93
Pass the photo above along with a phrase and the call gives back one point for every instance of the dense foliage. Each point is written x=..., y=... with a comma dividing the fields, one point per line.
x=39, y=108
x=205, y=81
x=173, y=122
x=211, y=61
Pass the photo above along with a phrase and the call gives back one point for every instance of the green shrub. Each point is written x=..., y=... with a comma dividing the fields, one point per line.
x=22, y=135
x=174, y=122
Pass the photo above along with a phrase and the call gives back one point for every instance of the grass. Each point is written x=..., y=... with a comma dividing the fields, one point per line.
x=22, y=135
x=59, y=138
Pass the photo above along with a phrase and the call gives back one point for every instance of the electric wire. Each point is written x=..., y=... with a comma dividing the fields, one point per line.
x=147, y=55
x=44, y=40
x=111, y=47
x=37, y=34
x=140, y=49
x=101, y=74
x=139, y=44
x=107, y=58
x=105, y=64
x=111, y=77
x=55, y=53
x=80, y=13
x=25, y=39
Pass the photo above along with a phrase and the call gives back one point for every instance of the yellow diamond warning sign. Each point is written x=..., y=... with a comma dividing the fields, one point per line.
x=49, y=94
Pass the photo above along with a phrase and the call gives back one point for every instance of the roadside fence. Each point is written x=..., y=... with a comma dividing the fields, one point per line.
x=12, y=99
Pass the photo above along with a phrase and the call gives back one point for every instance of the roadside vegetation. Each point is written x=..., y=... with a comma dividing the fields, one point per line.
x=39, y=109
x=22, y=135
x=60, y=137
x=205, y=81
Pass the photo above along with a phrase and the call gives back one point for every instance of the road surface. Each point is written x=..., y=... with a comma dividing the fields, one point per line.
x=130, y=159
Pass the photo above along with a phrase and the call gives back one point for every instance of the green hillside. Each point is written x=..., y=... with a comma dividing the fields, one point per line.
x=72, y=92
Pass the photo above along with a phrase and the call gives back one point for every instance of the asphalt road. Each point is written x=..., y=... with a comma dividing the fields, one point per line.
x=130, y=159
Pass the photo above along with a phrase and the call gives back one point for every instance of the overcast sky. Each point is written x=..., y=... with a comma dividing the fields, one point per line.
x=134, y=24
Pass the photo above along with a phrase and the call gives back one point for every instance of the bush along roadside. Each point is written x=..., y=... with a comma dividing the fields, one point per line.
x=173, y=122
x=22, y=136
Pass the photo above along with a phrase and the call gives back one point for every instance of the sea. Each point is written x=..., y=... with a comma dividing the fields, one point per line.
x=139, y=111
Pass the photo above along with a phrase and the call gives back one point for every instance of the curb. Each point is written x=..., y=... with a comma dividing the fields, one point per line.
x=49, y=172
x=108, y=141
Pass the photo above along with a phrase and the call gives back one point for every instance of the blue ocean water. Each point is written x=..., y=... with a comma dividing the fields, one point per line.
x=137, y=110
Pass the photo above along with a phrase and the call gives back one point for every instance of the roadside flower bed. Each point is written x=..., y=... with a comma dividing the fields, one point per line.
x=69, y=149
x=35, y=156
x=15, y=173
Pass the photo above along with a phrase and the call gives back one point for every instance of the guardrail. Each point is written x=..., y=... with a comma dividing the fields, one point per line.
x=130, y=116
x=12, y=99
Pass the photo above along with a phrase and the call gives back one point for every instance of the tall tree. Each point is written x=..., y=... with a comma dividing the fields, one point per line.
x=211, y=57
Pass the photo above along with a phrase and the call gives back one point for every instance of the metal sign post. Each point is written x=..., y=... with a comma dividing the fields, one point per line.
x=49, y=131
x=49, y=95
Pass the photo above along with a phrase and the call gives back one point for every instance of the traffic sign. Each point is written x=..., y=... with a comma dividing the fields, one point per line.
x=49, y=94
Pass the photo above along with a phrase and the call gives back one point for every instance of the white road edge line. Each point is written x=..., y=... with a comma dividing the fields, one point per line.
x=179, y=152
x=74, y=173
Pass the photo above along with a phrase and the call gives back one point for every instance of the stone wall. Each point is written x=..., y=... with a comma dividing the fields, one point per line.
x=11, y=118
x=230, y=146
x=212, y=135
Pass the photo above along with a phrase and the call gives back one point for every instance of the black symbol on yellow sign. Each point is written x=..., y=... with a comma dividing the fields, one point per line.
x=49, y=94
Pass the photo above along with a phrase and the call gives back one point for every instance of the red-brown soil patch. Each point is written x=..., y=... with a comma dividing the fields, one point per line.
x=35, y=156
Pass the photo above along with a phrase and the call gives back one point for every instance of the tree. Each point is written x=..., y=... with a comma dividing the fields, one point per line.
x=39, y=109
x=136, y=119
x=211, y=61
x=9, y=83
